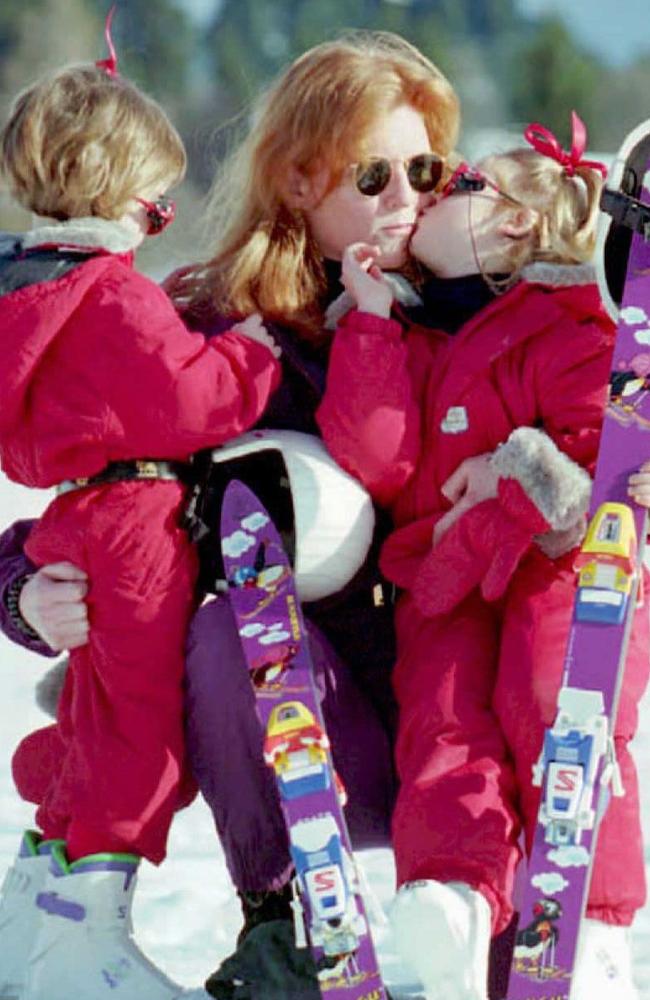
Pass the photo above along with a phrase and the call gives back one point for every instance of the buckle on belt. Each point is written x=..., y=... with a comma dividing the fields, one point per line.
x=128, y=471
x=148, y=469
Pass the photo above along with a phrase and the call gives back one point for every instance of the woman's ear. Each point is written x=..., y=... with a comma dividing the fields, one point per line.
x=518, y=222
x=303, y=191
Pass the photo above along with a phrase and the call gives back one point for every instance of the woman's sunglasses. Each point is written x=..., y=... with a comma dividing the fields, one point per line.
x=160, y=214
x=373, y=175
x=466, y=178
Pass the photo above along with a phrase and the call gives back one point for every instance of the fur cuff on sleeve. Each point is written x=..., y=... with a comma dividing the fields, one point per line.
x=555, y=544
x=559, y=487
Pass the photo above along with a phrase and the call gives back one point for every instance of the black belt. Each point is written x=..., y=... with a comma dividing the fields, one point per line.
x=137, y=468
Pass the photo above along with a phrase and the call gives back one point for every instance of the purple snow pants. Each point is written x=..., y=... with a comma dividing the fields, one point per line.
x=224, y=743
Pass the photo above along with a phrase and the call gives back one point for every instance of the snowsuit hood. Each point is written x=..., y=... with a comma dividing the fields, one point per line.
x=41, y=287
x=98, y=366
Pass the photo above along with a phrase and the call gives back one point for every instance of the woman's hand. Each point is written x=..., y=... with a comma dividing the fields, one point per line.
x=253, y=328
x=473, y=481
x=364, y=280
x=180, y=284
x=52, y=603
x=638, y=485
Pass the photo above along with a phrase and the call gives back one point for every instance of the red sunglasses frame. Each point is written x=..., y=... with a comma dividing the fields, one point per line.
x=470, y=179
x=160, y=213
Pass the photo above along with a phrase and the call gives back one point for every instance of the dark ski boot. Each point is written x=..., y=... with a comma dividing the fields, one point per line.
x=266, y=964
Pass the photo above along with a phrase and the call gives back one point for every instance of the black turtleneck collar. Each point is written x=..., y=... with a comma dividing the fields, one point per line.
x=448, y=303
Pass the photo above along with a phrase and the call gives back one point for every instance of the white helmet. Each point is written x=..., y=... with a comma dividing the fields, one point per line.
x=334, y=515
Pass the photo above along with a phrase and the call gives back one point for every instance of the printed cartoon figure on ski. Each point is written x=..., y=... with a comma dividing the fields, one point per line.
x=535, y=943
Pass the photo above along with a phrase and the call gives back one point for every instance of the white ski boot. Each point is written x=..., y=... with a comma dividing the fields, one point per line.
x=442, y=931
x=19, y=915
x=84, y=949
x=603, y=965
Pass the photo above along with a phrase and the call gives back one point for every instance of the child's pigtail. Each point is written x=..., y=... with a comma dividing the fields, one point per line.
x=583, y=239
x=569, y=233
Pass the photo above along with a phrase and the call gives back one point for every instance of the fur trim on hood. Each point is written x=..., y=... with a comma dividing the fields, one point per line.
x=92, y=233
x=559, y=275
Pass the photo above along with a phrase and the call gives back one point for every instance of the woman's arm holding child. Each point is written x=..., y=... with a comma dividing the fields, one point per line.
x=42, y=610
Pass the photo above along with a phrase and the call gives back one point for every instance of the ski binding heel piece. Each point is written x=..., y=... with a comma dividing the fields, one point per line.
x=568, y=765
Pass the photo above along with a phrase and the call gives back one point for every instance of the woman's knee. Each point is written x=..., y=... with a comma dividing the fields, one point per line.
x=214, y=658
x=221, y=722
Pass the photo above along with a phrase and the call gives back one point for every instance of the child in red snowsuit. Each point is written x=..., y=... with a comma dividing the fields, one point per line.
x=105, y=391
x=495, y=406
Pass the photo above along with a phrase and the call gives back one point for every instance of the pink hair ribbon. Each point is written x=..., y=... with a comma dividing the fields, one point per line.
x=109, y=65
x=544, y=142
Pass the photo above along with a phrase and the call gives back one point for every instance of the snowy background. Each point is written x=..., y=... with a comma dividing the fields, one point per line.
x=186, y=914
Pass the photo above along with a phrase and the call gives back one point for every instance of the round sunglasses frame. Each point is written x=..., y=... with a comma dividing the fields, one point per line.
x=424, y=172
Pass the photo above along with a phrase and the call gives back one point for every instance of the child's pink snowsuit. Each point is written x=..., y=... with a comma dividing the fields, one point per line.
x=97, y=367
x=483, y=623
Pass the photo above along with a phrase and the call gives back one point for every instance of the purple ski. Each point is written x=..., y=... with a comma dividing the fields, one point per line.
x=577, y=769
x=329, y=911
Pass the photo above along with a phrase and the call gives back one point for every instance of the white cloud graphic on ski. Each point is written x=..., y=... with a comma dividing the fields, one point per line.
x=550, y=883
x=267, y=634
x=254, y=521
x=237, y=543
x=569, y=857
x=633, y=315
x=253, y=628
x=240, y=541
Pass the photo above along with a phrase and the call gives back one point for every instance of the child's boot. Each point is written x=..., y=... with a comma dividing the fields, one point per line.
x=603, y=964
x=442, y=931
x=85, y=946
x=19, y=915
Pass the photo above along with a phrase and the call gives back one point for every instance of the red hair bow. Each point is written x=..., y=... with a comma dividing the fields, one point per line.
x=544, y=142
x=109, y=65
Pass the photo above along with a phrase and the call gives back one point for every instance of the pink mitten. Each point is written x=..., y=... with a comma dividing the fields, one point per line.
x=482, y=548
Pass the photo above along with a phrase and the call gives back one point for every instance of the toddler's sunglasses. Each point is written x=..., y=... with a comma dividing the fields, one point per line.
x=466, y=178
x=160, y=213
x=373, y=175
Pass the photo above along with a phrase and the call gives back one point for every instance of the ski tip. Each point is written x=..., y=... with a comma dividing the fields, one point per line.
x=613, y=241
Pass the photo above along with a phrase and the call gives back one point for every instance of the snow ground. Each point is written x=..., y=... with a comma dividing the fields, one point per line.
x=186, y=915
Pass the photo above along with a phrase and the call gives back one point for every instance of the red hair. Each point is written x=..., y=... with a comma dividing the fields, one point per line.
x=316, y=114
